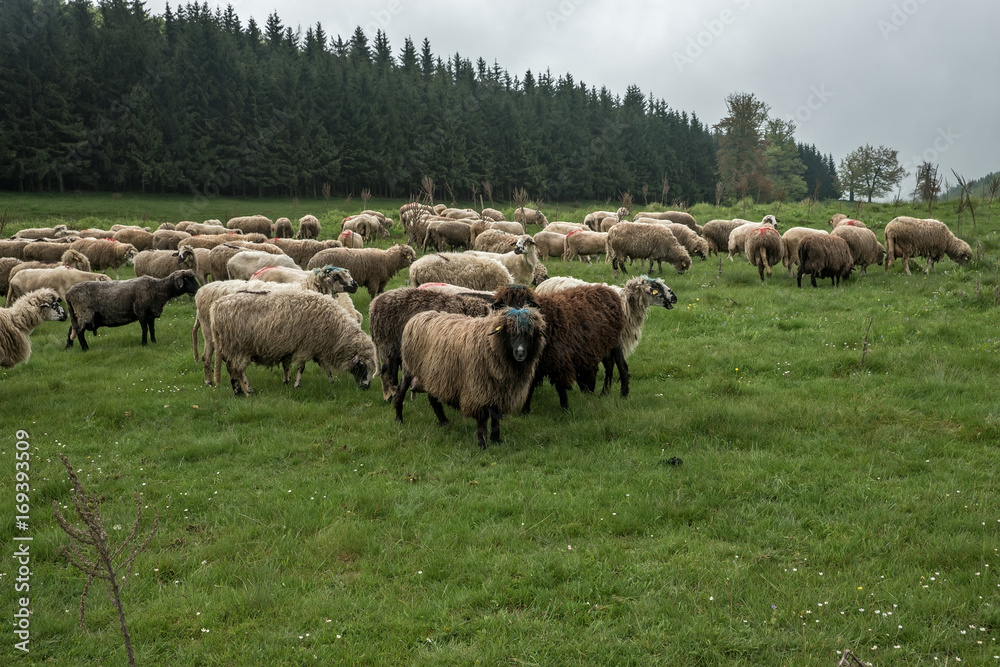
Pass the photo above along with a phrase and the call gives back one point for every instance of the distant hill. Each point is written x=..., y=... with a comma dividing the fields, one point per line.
x=980, y=187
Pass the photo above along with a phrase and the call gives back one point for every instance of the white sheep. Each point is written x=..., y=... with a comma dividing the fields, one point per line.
x=907, y=237
x=17, y=321
x=245, y=263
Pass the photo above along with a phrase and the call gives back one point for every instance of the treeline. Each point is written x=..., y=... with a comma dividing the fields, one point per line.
x=109, y=97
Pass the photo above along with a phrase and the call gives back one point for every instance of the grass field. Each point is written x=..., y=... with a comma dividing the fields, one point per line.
x=838, y=491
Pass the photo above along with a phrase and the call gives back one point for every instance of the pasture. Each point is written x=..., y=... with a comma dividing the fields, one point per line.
x=838, y=486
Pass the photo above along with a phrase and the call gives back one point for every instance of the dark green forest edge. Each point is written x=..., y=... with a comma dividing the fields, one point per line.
x=109, y=97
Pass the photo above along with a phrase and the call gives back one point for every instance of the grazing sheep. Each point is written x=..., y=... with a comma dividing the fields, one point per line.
x=764, y=249
x=118, y=228
x=140, y=239
x=366, y=225
x=210, y=241
x=864, y=245
x=792, y=238
x=492, y=214
x=583, y=329
x=585, y=244
x=634, y=240
x=93, y=305
x=43, y=251
x=332, y=280
x=738, y=237
x=477, y=272
x=283, y=228
x=515, y=228
x=309, y=228
x=606, y=224
x=13, y=248
x=389, y=312
x=165, y=227
x=386, y=222
x=824, y=256
x=245, y=263
x=40, y=232
x=167, y=239
x=7, y=265
x=251, y=224
x=460, y=214
x=96, y=234
x=521, y=261
x=922, y=237
x=71, y=258
x=349, y=239
x=205, y=229
x=60, y=279
x=484, y=366
x=550, y=244
x=219, y=256
x=371, y=267
x=529, y=216
x=678, y=217
x=302, y=250
x=451, y=233
x=104, y=255
x=594, y=219
x=289, y=327
x=716, y=234
x=161, y=263
x=561, y=227
x=840, y=219
x=687, y=237
x=19, y=320
x=494, y=240
x=203, y=263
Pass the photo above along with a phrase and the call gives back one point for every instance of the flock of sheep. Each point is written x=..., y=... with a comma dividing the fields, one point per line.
x=478, y=329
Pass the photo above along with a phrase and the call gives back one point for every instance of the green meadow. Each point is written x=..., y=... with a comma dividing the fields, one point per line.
x=797, y=472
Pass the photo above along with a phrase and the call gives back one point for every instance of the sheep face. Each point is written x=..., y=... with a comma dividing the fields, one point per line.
x=130, y=256
x=521, y=337
x=51, y=310
x=185, y=282
x=660, y=294
x=770, y=220
x=959, y=251
x=338, y=279
x=363, y=371
x=523, y=244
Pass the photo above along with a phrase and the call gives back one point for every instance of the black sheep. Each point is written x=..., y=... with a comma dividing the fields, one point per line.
x=121, y=302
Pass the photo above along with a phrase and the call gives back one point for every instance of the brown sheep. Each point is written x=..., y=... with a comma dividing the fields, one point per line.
x=106, y=254
x=302, y=250
x=220, y=255
x=371, y=267
x=139, y=238
x=865, y=248
x=824, y=256
x=167, y=239
x=634, y=240
x=60, y=279
x=283, y=228
x=309, y=228
x=251, y=224
x=716, y=234
x=764, y=249
x=550, y=244
x=792, y=238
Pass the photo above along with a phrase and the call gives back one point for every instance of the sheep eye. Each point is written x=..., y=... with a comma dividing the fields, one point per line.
x=655, y=292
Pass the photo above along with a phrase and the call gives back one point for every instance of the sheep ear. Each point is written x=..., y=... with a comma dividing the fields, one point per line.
x=179, y=281
x=496, y=331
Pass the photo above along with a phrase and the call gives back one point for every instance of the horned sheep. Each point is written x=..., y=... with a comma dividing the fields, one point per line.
x=633, y=240
x=17, y=321
x=908, y=237
x=484, y=366
x=371, y=267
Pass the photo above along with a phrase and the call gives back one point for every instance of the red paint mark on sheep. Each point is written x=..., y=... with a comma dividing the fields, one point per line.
x=765, y=230
x=575, y=231
x=260, y=271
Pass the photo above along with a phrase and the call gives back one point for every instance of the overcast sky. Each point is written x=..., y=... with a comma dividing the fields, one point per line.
x=919, y=76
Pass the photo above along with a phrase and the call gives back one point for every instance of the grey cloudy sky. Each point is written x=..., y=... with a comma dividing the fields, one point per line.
x=920, y=76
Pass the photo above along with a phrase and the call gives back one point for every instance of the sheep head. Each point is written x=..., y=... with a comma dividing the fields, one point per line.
x=959, y=251
x=660, y=294
x=523, y=329
x=46, y=300
x=363, y=370
x=514, y=296
x=337, y=279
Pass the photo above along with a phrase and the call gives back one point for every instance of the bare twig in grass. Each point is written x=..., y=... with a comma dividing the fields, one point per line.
x=996, y=286
x=864, y=344
x=488, y=191
x=965, y=200
x=665, y=190
x=101, y=564
x=326, y=195
x=366, y=196
x=850, y=660
x=348, y=198
x=4, y=221
x=720, y=265
x=520, y=198
x=719, y=190
x=993, y=187
x=858, y=207
x=427, y=189
x=451, y=193
x=645, y=195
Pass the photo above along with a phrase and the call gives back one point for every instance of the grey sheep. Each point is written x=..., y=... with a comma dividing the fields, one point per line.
x=289, y=327
x=824, y=256
x=467, y=270
x=371, y=267
x=864, y=245
x=104, y=255
x=13, y=248
x=716, y=234
x=161, y=263
x=389, y=312
x=251, y=224
x=302, y=250
x=792, y=238
x=585, y=244
x=450, y=233
x=92, y=305
x=495, y=240
x=140, y=239
x=656, y=243
x=283, y=229
x=19, y=320
x=484, y=366
x=764, y=249
x=167, y=239
x=309, y=227
x=60, y=279
x=908, y=237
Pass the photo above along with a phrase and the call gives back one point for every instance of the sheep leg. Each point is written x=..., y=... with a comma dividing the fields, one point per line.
x=194, y=337
x=80, y=334
x=438, y=410
x=152, y=329
x=481, y=420
x=906, y=264
x=812, y=277
x=145, y=329
x=390, y=375
x=495, y=417
x=526, y=410
x=760, y=270
x=563, y=397
x=286, y=372
x=799, y=278
x=609, y=374
x=401, y=395
x=619, y=358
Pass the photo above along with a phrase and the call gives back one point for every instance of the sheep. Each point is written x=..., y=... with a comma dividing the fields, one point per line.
x=366, y=225
x=309, y=227
x=687, y=237
x=161, y=263
x=39, y=232
x=864, y=245
x=104, y=255
x=451, y=233
x=60, y=279
x=484, y=366
x=607, y=223
x=43, y=251
x=283, y=228
x=7, y=265
x=764, y=249
x=792, y=238
x=220, y=255
x=138, y=238
x=738, y=237
x=678, y=217
x=515, y=228
x=824, y=256
x=716, y=234
x=289, y=327
x=386, y=222
x=245, y=263
x=550, y=244
x=96, y=234
x=251, y=224
x=492, y=214
x=539, y=274
x=167, y=239
x=166, y=227
x=19, y=320
x=840, y=219
x=922, y=237
x=529, y=216
x=494, y=240
x=448, y=288
x=208, y=228
x=203, y=263
x=473, y=271
x=460, y=214
x=302, y=250
x=389, y=312
x=633, y=240
x=593, y=219
x=118, y=228
x=439, y=209
x=94, y=304
x=585, y=243
x=415, y=225
x=583, y=328
x=521, y=261
x=561, y=227
x=210, y=241
x=71, y=259
x=349, y=239
x=330, y=280
x=371, y=267
x=13, y=248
